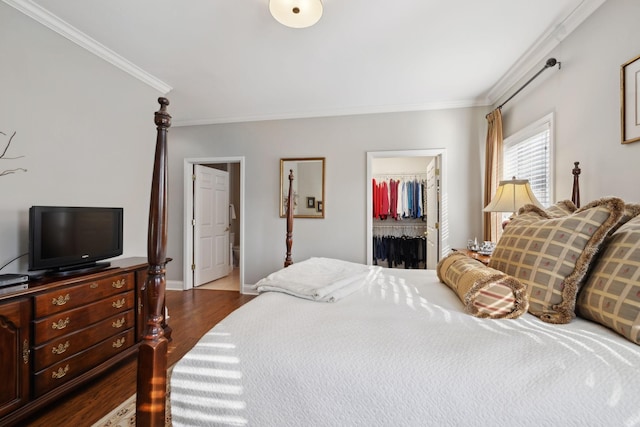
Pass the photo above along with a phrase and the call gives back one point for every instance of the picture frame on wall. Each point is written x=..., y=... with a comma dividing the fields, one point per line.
x=319, y=206
x=630, y=100
x=311, y=202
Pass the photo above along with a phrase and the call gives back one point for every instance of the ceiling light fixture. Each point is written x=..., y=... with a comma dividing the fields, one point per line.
x=296, y=13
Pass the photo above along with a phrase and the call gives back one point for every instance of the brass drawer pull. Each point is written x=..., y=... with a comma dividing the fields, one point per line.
x=118, y=343
x=60, y=348
x=60, y=324
x=118, y=323
x=118, y=303
x=94, y=285
x=119, y=283
x=61, y=300
x=60, y=373
x=25, y=352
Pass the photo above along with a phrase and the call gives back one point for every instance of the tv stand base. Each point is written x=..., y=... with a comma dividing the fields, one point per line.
x=79, y=269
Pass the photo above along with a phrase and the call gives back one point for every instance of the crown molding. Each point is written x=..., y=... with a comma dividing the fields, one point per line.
x=337, y=112
x=61, y=27
x=535, y=56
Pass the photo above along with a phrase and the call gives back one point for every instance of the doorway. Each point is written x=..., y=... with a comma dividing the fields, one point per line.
x=231, y=253
x=431, y=226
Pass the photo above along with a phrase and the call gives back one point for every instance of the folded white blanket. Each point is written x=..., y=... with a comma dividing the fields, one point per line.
x=319, y=279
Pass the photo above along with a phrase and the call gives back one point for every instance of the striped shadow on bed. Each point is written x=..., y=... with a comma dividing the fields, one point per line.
x=218, y=386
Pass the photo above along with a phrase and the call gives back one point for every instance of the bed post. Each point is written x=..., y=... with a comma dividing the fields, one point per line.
x=575, y=192
x=152, y=353
x=290, y=206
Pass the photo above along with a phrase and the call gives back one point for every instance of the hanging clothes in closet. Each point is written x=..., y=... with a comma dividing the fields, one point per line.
x=403, y=251
x=399, y=213
x=399, y=198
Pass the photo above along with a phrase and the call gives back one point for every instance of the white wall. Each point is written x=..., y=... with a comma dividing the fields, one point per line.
x=344, y=142
x=585, y=95
x=85, y=128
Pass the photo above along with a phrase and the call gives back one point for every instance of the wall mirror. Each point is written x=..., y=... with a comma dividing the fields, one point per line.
x=308, y=187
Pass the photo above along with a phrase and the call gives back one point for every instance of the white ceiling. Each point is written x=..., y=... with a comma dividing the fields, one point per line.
x=229, y=60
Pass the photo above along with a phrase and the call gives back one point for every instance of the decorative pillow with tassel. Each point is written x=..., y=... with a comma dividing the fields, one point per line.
x=551, y=255
x=561, y=208
x=611, y=294
x=630, y=211
x=485, y=292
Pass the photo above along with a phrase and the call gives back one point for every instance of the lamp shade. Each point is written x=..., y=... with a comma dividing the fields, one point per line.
x=511, y=195
x=296, y=13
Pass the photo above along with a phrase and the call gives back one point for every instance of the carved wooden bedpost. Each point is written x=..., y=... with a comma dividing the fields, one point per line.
x=152, y=353
x=575, y=192
x=290, y=207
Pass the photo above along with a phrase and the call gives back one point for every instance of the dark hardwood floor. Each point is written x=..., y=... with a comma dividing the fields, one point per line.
x=191, y=314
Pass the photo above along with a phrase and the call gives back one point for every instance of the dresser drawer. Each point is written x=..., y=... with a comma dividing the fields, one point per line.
x=63, y=299
x=73, y=366
x=67, y=345
x=60, y=324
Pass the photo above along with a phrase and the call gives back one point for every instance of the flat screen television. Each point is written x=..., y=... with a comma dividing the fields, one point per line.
x=66, y=240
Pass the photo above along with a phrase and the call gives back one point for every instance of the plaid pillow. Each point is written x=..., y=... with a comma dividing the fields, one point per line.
x=485, y=292
x=630, y=211
x=552, y=255
x=611, y=294
x=561, y=208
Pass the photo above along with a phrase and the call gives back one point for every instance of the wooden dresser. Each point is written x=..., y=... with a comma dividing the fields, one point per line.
x=59, y=333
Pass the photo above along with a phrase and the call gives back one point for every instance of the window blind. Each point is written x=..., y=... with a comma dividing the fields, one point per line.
x=527, y=156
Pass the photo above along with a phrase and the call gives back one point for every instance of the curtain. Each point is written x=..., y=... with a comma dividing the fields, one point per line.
x=492, y=173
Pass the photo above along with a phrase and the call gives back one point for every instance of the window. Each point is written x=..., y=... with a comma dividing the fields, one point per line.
x=527, y=155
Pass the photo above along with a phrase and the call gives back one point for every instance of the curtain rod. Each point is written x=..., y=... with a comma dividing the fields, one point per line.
x=551, y=62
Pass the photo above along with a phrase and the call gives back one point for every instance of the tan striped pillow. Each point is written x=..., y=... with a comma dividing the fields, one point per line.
x=551, y=256
x=485, y=292
x=611, y=294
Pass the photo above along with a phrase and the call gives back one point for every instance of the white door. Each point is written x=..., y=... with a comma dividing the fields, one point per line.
x=211, y=224
x=433, y=185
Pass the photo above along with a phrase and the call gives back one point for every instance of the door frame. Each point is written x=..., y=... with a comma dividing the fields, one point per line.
x=187, y=250
x=441, y=154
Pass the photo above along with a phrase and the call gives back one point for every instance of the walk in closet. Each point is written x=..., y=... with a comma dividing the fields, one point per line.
x=404, y=209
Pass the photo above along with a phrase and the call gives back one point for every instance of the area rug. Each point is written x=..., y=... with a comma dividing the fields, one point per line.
x=125, y=414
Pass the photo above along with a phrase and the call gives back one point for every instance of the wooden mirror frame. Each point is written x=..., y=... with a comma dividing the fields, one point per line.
x=309, y=203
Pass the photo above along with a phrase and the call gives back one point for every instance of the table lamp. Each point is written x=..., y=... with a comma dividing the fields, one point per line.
x=510, y=196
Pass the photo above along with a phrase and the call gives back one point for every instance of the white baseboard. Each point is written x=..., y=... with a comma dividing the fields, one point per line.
x=248, y=289
x=178, y=285
x=175, y=285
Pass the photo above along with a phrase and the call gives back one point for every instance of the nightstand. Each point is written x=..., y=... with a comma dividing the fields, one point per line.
x=475, y=255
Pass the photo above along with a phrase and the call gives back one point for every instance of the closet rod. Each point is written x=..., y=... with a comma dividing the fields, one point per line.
x=551, y=62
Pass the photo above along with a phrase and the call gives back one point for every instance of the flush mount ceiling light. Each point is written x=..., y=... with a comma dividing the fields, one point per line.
x=296, y=13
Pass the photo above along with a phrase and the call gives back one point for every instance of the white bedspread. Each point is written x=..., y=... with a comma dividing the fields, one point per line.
x=402, y=352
